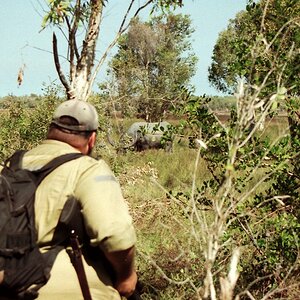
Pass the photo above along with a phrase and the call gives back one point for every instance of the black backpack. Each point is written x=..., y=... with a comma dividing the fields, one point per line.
x=24, y=267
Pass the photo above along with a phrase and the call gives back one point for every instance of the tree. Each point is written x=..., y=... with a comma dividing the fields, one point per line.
x=70, y=16
x=154, y=64
x=274, y=26
x=262, y=45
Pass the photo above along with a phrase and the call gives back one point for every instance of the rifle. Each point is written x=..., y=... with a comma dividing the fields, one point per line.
x=76, y=259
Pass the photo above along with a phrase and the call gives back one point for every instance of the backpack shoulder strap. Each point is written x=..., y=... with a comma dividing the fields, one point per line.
x=14, y=161
x=53, y=164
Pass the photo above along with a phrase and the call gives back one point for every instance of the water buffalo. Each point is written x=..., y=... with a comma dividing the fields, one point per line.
x=150, y=136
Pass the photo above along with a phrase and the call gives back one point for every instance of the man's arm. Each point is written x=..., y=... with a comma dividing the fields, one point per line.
x=125, y=274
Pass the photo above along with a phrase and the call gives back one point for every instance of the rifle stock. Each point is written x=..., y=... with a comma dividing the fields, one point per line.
x=76, y=259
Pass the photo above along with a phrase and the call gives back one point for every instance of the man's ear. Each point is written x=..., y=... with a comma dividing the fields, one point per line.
x=92, y=140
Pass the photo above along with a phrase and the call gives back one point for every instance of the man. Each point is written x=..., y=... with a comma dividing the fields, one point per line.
x=105, y=214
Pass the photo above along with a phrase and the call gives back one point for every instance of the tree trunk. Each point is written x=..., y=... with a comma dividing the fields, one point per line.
x=81, y=81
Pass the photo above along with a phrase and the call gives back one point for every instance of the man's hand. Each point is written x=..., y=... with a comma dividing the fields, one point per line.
x=125, y=274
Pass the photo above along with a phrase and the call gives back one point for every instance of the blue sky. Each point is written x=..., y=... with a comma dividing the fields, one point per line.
x=22, y=43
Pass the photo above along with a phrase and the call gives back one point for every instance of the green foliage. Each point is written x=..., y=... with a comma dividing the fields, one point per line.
x=57, y=10
x=200, y=124
x=23, y=126
x=269, y=27
x=271, y=230
x=168, y=4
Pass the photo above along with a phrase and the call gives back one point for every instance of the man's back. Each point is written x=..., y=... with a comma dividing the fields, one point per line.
x=103, y=207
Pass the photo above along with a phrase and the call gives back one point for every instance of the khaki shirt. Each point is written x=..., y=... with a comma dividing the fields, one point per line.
x=104, y=210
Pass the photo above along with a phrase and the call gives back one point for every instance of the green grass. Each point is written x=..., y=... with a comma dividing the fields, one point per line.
x=163, y=230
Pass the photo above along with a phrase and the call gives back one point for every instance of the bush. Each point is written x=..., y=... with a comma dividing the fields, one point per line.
x=22, y=126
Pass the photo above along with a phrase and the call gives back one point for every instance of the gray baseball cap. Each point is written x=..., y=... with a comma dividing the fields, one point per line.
x=84, y=113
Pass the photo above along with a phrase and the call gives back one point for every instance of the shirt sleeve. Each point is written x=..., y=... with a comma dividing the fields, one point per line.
x=105, y=212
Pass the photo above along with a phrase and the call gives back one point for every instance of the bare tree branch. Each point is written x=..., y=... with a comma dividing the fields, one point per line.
x=57, y=65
